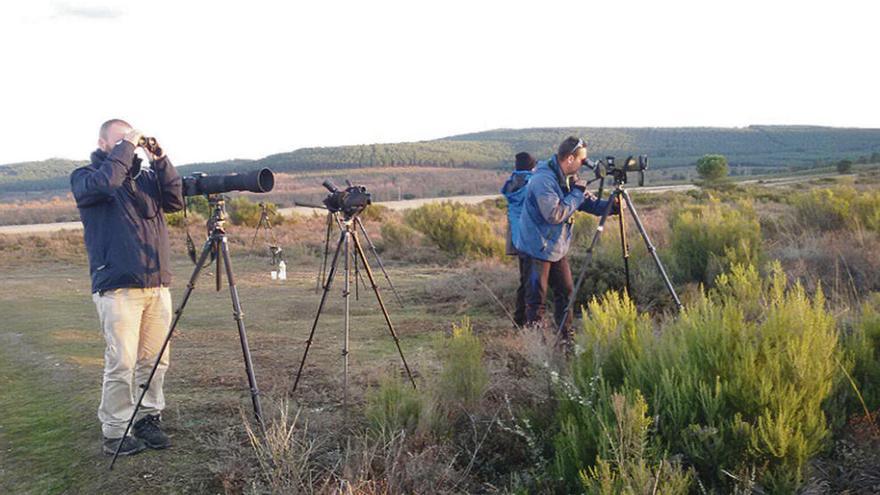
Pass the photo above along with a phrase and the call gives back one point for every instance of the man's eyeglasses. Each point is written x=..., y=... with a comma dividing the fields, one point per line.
x=580, y=144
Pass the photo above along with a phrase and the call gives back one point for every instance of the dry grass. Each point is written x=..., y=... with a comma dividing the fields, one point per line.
x=58, y=208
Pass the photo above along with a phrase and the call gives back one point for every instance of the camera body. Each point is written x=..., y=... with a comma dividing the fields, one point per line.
x=200, y=183
x=350, y=201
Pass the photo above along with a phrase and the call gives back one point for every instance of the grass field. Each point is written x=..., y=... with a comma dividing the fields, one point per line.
x=50, y=372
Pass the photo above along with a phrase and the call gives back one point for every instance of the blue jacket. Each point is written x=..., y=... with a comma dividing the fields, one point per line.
x=123, y=225
x=545, y=222
x=514, y=190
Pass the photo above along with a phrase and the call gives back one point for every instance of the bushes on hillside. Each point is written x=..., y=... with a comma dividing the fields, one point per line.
x=708, y=239
x=455, y=230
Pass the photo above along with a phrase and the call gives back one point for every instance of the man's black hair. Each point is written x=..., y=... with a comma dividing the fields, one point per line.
x=567, y=147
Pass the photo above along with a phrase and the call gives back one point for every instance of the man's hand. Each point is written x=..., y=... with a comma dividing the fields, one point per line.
x=577, y=182
x=153, y=150
x=133, y=136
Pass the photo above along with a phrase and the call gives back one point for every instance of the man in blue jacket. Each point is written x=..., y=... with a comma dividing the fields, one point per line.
x=514, y=190
x=553, y=196
x=121, y=206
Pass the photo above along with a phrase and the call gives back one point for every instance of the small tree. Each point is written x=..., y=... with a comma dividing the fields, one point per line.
x=844, y=166
x=712, y=168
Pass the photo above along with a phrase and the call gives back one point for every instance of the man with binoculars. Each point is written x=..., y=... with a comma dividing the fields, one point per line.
x=122, y=209
x=554, y=195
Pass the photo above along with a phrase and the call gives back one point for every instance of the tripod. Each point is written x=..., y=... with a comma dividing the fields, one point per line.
x=217, y=247
x=348, y=238
x=618, y=196
x=266, y=225
x=333, y=217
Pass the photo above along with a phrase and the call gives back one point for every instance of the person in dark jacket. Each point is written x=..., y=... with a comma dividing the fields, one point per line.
x=514, y=190
x=121, y=205
x=553, y=196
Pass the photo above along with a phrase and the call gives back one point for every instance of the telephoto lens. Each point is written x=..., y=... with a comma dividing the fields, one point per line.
x=258, y=181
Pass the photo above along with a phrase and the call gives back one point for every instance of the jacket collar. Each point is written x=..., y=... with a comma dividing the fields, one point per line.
x=99, y=156
x=553, y=164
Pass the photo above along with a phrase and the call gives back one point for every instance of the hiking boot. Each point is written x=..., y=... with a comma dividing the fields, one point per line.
x=130, y=445
x=147, y=429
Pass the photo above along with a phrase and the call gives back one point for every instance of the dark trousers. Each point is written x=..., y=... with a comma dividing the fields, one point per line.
x=556, y=275
x=519, y=314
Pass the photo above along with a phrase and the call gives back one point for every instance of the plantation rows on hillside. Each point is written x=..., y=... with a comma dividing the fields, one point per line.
x=754, y=146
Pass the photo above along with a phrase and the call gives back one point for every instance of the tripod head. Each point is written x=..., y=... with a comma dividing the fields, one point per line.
x=217, y=223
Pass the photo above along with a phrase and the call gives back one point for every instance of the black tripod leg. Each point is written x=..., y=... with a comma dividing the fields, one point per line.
x=320, y=308
x=360, y=253
x=323, y=270
x=346, y=294
x=651, y=248
x=587, y=262
x=238, y=315
x=219, y=268
x=378, y=260
x=206, y=251
x=624, y=245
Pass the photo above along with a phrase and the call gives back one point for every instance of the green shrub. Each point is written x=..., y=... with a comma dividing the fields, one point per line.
x=861, y=350
x=198, y=209
x=375, y=213
x=455, y=230
x=707, y=240
x=398, y=236
x=243, y=211
x=392, y=407
x=838, y=208
x=463, y=378
x=623, y=466
x=175, y=219
x=736, y=383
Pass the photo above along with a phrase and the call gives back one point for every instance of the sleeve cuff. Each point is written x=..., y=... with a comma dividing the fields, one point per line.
x=122, y=153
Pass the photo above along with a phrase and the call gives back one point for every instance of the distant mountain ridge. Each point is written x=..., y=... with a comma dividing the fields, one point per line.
x=756, y=145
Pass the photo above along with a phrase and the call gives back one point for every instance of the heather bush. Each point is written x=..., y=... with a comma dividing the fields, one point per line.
x=623, y=465
x=455, y=230
x=243, y=211
x=736, y=383
x=860, y=343
x=462, y=380
x=398, y=236
x=392, y=407
x=838, y=208
x=708, y=239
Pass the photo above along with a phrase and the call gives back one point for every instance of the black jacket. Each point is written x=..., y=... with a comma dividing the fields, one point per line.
x=123, y=222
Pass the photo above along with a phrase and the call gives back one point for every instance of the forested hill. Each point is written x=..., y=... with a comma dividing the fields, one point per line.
x=764, y=146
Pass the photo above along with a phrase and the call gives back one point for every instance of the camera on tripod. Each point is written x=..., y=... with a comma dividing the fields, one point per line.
x=350, y=201
x=200, y=183
x=618, y=170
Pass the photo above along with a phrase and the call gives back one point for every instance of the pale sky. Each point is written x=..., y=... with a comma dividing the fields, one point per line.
x=216, y=80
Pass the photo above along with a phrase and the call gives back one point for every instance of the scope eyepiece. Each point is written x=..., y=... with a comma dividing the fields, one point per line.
x=330, y=186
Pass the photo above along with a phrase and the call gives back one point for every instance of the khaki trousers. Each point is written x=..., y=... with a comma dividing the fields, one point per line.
x=135, y=323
